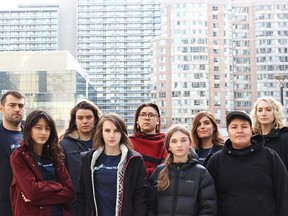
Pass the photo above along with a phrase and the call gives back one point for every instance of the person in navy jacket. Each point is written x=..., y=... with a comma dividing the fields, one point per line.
x=12, y=107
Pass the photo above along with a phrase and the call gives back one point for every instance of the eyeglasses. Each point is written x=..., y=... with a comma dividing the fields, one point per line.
x=150, y=115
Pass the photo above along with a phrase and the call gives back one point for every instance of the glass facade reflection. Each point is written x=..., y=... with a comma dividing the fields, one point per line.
x=51, y=81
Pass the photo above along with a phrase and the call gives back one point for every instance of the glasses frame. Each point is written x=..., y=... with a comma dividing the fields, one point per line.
x=151, y=116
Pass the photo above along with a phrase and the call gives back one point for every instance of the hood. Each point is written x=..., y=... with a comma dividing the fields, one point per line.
x=257, y=142
x=72, y=136
x=143, y=135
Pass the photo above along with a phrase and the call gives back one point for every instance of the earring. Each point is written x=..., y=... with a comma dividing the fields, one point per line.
x=138, y=127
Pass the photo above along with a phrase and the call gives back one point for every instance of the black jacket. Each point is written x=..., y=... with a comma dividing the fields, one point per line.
x=72, y=148
x=249, y=182
x=6, y=176
x=277, y=140
x=131, y=184
x=191, y=191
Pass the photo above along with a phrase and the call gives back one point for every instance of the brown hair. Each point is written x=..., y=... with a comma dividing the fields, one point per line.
x=14, y=93
x=155, y=107
x=217, y=138
x=86, y=105
x=120, y=125
x=163, y=181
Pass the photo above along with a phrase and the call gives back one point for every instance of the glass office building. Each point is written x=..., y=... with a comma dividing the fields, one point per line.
x=51, y=81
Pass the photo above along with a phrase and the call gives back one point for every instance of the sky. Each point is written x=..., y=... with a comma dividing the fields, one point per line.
x=13, y=3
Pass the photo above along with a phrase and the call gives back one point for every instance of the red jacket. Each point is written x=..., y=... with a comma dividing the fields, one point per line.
x=27, y=178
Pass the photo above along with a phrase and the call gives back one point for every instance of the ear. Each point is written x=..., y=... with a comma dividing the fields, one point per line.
x=1, y=108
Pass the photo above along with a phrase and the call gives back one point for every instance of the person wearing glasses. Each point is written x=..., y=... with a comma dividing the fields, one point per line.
x=41, y=184
x=206, y=136
x=147, y=138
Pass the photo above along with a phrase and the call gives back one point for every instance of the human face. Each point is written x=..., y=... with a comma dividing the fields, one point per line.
x=147, y=124
x=85, y=121
x=205, y=128
x=179, y=146
x=239, y=132
x=13, y=112
x=111, y=136
x=40, y=133
x=265, y=114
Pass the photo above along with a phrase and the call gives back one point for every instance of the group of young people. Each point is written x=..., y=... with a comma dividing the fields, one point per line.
x=96, y=168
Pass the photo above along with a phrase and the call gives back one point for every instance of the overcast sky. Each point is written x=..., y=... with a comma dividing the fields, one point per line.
x=13, y=3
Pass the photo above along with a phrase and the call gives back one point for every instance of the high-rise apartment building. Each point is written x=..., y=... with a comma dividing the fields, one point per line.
x=29, y=28
x=114, y=45
x=217, y=56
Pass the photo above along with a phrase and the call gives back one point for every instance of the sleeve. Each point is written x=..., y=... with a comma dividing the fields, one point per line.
x=140, y=191
x=41, y=192
x=62, y=145
x=207, y=195
x=81, y=191
x=280, y=182
x=151, y=194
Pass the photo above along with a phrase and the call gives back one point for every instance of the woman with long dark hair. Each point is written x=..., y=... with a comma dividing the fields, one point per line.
x=41, y=184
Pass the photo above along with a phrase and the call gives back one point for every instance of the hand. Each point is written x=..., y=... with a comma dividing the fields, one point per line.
x=24, y=197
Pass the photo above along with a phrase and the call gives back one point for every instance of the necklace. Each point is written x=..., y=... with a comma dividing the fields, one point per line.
x=210, y=149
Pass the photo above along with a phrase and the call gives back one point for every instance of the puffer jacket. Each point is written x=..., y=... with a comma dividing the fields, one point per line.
x=191, y=191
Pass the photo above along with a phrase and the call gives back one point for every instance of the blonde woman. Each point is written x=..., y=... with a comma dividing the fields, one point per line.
x=267, y=117
x=181, y=186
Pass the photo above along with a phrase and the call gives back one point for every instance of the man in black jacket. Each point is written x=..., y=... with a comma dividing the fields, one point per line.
x=12, y=108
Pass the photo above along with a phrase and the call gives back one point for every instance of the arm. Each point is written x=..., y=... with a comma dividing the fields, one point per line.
x=139, y=200
x=207, y=195
x=280, y=179
x=152, y=193
x=34, y=188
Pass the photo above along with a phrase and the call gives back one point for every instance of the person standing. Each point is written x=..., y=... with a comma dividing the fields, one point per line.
x=181, y=186
x=41, y=184
x=77, y=138
x=250, y=179
x=12, y=105
x=267, y=115
x=112, y=180
x=147, y=138
x=206, y=136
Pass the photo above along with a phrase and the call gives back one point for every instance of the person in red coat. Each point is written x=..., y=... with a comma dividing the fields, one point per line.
x=41, y=184
x=147, y=138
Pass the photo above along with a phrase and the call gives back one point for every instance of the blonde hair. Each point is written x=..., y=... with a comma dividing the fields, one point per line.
x=277, y=112
x=163, y=181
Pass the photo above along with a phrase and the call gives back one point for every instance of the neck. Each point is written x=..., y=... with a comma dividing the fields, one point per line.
x=38, y=149
x=206, y=143
x=112, y=151
x=85, y=136
x=11, y=127
x=180, y=159
x=265, y=129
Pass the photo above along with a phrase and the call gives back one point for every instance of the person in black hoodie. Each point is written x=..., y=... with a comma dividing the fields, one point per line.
x=250, y=179
x=77, y=138
x=181, y=186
